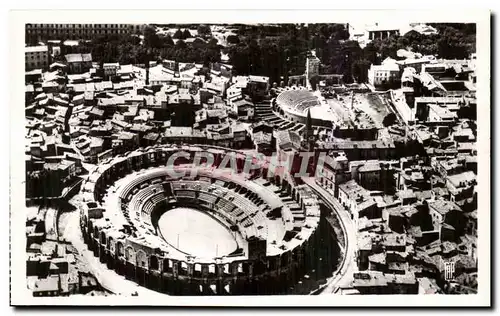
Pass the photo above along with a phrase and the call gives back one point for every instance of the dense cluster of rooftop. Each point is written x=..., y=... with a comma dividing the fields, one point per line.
x=409, y=186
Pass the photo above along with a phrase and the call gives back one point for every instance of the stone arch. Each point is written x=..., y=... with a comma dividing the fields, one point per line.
x=264, y=173
x=154, y=263
x=284, y=185
x=212, y=269
x=130, y=254
x=243, y=190
x=90, y=227
x=103, y=238
x=238, y=266
x=277, y=180
x=166, y=265
x=287, y=186
x=120, y=251
x=297, y=196
x=141, y=259
x=111, y=244
x=259, y=267
x=284, y=259
x=182, y=267
x=227, y=287
x=84, y=221
x=197, y=267
x=245, y=266
x=197, y=270
x=212, y=288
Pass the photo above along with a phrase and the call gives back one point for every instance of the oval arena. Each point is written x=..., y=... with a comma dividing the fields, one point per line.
x=205, y=232
x=293, y=104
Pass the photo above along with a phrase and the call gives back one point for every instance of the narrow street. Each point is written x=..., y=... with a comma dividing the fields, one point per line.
x=109, y=279
x=344, y=275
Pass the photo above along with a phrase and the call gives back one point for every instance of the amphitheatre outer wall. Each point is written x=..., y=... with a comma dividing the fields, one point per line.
x=131, y=253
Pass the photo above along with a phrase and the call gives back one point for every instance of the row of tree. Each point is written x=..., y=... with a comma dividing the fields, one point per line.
x=281, y=50
x=277, y=50
x=130, y=49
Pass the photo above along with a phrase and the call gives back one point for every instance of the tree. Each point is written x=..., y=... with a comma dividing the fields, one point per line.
x=178, y=34
x=233, y=39
x=166, y=41
x=212, y=44
x=186, y=34
x=314, y=80
x=151, y=39
x=204, y=30
x=180, y=44
x=418, y=88
x=360, y=70
x=31, y=40
x=389, y=119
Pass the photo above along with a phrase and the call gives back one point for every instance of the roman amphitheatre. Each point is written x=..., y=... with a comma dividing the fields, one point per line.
x=206, y=232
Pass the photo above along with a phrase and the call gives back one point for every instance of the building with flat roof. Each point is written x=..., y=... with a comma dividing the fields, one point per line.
x=52, y=31
x=375, y=282
x=358, y=201
x=441, y=113
x=384, y=76
x=36, y=57
x=78, y=63
x=447, y=218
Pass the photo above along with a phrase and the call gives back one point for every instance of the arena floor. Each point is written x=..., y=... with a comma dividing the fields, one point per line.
x=196, y=233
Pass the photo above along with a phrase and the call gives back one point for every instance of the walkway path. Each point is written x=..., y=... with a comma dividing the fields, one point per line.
x=343, y=276
x=109, y=279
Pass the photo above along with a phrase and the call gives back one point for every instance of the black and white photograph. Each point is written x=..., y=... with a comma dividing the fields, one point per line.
x=345, y=159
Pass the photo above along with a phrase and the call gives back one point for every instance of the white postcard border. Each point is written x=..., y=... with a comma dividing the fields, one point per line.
x=21, y=296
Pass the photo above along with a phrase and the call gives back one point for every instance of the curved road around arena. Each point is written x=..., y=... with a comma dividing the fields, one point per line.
x=108, y=279
x=344, y=274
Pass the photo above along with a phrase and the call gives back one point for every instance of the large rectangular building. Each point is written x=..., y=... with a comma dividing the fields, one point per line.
x=78, y=31
x=36, y=57
x=384, y=75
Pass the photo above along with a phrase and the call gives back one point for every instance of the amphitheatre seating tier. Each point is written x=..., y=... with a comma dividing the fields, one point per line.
x=297, y=100
x=209, y=198
x=245, y=203
x=155, y=199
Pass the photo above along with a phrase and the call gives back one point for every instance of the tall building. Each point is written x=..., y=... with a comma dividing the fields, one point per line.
x=312, y=66
x=36, y=57
x=309, y=132
x=47, y=31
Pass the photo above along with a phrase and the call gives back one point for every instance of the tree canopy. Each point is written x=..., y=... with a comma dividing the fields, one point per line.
x=178, y=34
x=186, y=34
x=280, y=50
x=233, y=39
x=204, y=30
